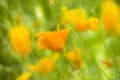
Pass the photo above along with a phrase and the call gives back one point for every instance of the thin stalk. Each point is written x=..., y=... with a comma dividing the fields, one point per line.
x=83, y=75
x=104, y=72
x=80, y=39
x=61, y=75
x=112, y=55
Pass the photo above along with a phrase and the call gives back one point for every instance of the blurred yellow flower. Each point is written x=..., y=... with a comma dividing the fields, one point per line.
x=54, y=40
x=24, y=76
x=110, y=14
x=74, y=58
x=118, y=29
x=45, y=65
x=77, y=17
x=20, y=39
x=93, y=23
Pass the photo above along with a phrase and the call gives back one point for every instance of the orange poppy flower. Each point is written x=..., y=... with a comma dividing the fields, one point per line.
x=74, y=58
x=45, y=65
x=54, y=40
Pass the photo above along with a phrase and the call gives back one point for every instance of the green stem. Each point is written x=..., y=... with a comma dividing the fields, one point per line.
x=80, y=39
x=112, y=54
x=104, y=72
x=82, y=75
x=61, y=75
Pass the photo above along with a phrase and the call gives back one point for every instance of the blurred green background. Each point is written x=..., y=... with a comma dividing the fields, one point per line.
x=44, y=15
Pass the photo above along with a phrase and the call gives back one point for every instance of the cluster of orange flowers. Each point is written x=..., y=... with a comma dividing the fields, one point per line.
x=56, y=40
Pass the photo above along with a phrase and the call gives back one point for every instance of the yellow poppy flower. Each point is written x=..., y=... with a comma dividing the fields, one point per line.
x=93, y=23
x=110, y=14
x=24, y=76
x=77, y=17
x=45, y=65
x=74, y=58
x=20, y=39
x=54, y=40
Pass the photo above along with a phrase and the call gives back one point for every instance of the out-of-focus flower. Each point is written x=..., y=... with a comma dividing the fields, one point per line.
x=54, y=40
x=107, y=62
x=74, y=58
x=24, y=76
x=110, y=14
x=118, y=29
x=77, y=17
x=45, y=65
x=20, y=39
x=93, y=23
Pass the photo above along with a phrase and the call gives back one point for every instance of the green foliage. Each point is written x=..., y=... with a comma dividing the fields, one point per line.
x=94, y=46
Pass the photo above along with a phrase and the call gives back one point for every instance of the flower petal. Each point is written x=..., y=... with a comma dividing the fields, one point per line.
x=24, y=76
